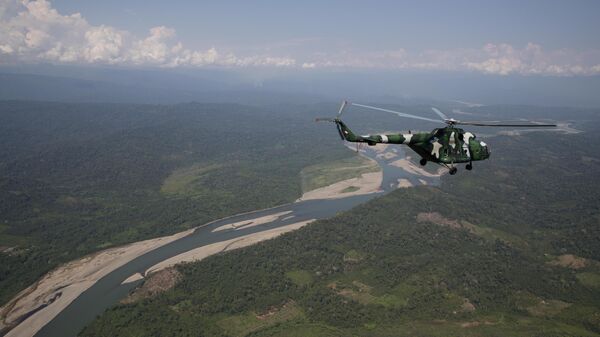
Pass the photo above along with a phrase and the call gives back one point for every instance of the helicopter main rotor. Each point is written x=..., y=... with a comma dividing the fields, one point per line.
x=450, y=121
x=459, y=146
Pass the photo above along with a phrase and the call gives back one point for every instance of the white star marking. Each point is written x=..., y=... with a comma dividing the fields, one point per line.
x=436, y=149
x=467, y=137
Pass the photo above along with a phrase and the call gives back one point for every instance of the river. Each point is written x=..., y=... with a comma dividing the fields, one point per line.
x=109, y=290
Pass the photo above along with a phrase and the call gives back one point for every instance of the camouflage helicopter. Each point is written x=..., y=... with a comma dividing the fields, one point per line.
x=445, y=146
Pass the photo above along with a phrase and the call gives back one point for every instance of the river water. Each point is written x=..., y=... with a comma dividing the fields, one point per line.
x=109, y=290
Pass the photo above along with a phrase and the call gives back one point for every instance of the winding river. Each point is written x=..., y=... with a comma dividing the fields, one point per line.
x=109, y=290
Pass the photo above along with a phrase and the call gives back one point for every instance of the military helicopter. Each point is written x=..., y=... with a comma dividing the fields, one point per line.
x=445, y=146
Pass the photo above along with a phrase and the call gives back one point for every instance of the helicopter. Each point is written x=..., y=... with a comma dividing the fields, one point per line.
x=446, y=146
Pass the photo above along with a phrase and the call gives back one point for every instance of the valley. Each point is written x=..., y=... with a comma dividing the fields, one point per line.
x=107, y=276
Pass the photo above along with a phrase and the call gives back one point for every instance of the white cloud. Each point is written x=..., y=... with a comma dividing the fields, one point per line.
x=103, y=45
x=264, y=61
x=154, y=48
x=32, y=31
x=497, y=59
x=533, y=60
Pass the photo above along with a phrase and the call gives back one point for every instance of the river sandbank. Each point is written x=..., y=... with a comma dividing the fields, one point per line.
x=35, y=306
x=200, y=253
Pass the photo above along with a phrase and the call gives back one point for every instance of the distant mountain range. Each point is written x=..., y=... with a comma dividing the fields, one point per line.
x=257, y=87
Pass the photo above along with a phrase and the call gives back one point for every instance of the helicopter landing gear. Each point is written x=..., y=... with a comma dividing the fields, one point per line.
x=469, y=167
x=451, y=168
x=423, y=162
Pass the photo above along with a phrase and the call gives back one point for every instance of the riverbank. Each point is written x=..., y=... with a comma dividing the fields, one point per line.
x=410, y=167
x=42, y=302
x=365, y=184
x=35, y=306
x=223, y=246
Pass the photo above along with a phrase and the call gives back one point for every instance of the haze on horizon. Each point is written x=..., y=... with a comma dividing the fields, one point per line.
x=508, y=44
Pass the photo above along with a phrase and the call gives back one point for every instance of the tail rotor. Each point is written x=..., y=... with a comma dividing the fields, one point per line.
x=342, y=107
x=336, y=120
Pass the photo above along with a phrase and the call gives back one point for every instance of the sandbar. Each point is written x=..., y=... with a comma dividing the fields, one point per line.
x=58, y=288
x=200, y=253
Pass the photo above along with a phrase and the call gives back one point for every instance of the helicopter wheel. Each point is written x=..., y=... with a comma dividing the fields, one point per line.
x=453, y=170
x=423, y=162
x=469, y=166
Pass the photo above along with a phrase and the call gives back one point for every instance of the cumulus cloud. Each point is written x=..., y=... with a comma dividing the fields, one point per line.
x=504, y=59
x=497, y=59
x=103, y=44
x=33, y=31
x=154, y=48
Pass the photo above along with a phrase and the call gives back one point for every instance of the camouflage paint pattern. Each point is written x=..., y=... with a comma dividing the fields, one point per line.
x=447, y=145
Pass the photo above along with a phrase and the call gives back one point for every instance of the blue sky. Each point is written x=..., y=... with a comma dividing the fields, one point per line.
x=376, y=24
x=550, y=38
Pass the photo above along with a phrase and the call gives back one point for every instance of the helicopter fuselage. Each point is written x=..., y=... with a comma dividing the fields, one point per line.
x=448, y=145
x=445, y=146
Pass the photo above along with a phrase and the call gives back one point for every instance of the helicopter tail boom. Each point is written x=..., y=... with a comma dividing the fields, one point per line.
x=346, y=133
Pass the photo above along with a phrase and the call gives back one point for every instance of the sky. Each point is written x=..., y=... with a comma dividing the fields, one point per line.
x=498, y=38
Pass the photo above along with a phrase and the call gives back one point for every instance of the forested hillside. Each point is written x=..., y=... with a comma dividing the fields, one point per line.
x=509, y=249
x=75, y=178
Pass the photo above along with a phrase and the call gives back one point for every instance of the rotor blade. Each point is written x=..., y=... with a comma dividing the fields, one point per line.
x=339, y=128
x=401, y=114
x=439, y=113
x=505, y=124
x=323, y=119
x=344, y=103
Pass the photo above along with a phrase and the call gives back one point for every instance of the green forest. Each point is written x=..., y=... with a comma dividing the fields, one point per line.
x=77, y=178
x=509, y=249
